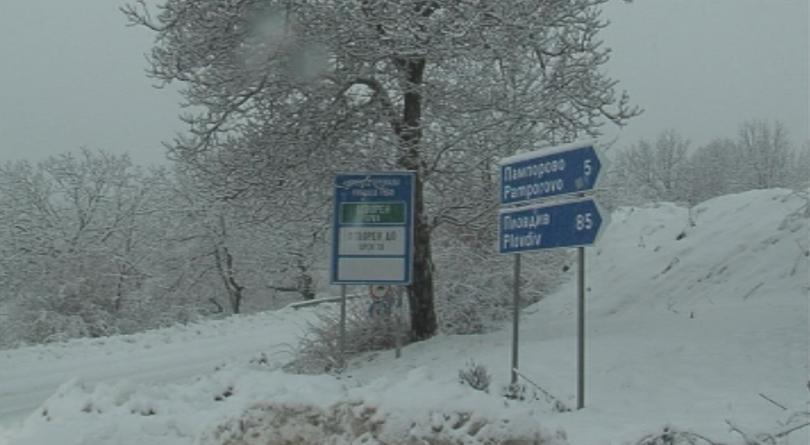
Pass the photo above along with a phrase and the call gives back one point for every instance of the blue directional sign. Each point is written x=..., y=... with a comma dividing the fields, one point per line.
x=575, y=223
x=372, y=228
x=549, y=172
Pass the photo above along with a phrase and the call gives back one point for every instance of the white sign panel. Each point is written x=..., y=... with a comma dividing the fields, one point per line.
x=372, y=241
x=378, y=270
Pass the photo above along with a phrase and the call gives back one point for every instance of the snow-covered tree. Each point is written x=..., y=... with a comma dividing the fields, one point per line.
x=657, y=171
x=714, y=170
x=800, y=177
x=760, y=157
x=765, y=152
x=74, y=251
x=284, y=93
x=228, y=255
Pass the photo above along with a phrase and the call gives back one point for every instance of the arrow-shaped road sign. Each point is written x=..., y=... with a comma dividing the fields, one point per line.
x=575, y=223
x=549, y=172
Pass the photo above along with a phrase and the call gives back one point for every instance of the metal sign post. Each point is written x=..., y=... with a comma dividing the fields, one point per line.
x=566, y=172
x=342, y=339
x=398, y=308
x=581, y=328
x=516, y=320
x=372, y=236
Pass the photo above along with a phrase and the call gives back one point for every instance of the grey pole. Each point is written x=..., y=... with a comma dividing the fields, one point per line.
x=581, y=328
x=516, y=319
x=342, y=338
x=398, y=309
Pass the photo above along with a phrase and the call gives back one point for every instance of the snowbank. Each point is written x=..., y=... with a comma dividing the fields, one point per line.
x=688, y=326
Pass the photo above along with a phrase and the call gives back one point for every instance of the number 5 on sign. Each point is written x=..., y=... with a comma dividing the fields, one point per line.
x=586, y=167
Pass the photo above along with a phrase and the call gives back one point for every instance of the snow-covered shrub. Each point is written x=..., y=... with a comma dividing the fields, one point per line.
x=293, y=424
x=522, y=392
x=476, y=376
x=75, y=311
x=80, y=311
x=358, y=423
x=669, y=436
x=93, y=245
x=519, y=391
x=474, y=291
x=318, y=350
x=42, y=326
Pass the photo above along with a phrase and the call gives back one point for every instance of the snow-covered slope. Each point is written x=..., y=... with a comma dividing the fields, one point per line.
x=688, y=325
x=28, y=376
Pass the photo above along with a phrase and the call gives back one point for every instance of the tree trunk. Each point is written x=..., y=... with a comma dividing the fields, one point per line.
x=226, y=272
x=420, y=292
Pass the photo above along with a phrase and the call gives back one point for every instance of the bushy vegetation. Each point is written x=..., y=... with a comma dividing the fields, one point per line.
x=319, y=350
x=476, y=376
x=357, y=422
x=476, y=284
x=92, y=245
x=669, y=169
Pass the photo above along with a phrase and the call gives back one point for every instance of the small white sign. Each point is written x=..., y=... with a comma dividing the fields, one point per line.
x=372, y=241
x=370, y=269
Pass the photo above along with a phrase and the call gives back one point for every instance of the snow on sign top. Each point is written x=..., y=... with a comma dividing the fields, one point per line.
x=554, y=171
x=551, y=150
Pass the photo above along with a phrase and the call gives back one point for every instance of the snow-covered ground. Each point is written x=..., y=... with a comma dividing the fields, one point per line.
x=28, y=376
x=687, y=327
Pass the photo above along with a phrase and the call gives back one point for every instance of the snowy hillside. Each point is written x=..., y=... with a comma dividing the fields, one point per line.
x=689, y=326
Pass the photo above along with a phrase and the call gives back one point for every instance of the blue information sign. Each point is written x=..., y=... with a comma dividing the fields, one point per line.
x=549, y=172
x=372, y=228
x=575, y=223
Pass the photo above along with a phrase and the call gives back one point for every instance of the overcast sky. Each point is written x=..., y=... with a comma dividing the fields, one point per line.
x=72, y=73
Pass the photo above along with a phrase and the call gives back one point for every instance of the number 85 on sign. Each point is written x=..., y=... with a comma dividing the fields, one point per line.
x=571, y=224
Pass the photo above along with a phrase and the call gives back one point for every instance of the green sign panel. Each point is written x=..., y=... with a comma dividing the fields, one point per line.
x=372, y=213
